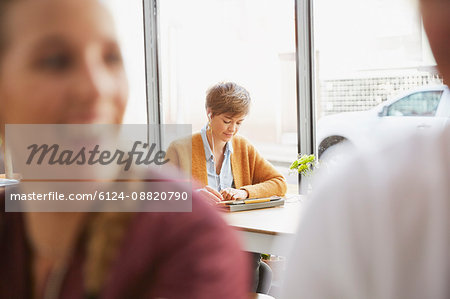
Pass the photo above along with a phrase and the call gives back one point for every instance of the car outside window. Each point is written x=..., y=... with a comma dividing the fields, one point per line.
x=418, y=104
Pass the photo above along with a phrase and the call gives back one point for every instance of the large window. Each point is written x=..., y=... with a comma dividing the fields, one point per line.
x=368, y=52
x=364, y=53
x=250, y=42
x=128, y=17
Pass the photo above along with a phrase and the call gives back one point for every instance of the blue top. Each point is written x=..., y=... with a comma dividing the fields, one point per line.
x=225, y=178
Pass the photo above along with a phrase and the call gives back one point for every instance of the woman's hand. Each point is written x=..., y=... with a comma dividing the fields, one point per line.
x=233, y=194
x=212, y=195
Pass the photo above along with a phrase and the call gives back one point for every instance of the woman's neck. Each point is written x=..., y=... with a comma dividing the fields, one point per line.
x=52, y=236
x=218, y=146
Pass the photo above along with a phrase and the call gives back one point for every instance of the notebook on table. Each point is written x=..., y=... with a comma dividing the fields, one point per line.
x=252, y=204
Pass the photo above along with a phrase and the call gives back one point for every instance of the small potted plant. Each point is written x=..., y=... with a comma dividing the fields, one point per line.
x=304, y=165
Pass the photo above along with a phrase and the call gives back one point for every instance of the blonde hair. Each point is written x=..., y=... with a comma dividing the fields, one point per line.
x=228, y=98
x=105, y=233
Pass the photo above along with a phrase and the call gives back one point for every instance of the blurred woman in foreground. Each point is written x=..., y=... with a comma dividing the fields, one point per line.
x=60, y=63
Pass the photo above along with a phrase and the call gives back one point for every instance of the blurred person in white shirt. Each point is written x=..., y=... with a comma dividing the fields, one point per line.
x=380, y=227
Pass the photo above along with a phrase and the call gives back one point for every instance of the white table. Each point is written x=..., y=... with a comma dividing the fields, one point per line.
x=268, y=230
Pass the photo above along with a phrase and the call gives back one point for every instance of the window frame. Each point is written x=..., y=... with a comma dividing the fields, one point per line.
x=152, y=78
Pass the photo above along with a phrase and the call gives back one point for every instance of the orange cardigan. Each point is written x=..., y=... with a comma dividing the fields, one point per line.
x=250, y=171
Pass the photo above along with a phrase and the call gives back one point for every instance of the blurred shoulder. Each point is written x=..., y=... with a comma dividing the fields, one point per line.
x=412, y=171
x=201, y=219
x=375, y=213
x=189, y=254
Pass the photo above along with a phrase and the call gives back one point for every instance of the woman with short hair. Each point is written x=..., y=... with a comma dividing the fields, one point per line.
x=223, y=161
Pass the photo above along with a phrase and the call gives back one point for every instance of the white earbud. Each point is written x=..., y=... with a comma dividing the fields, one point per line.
x=209, y=116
